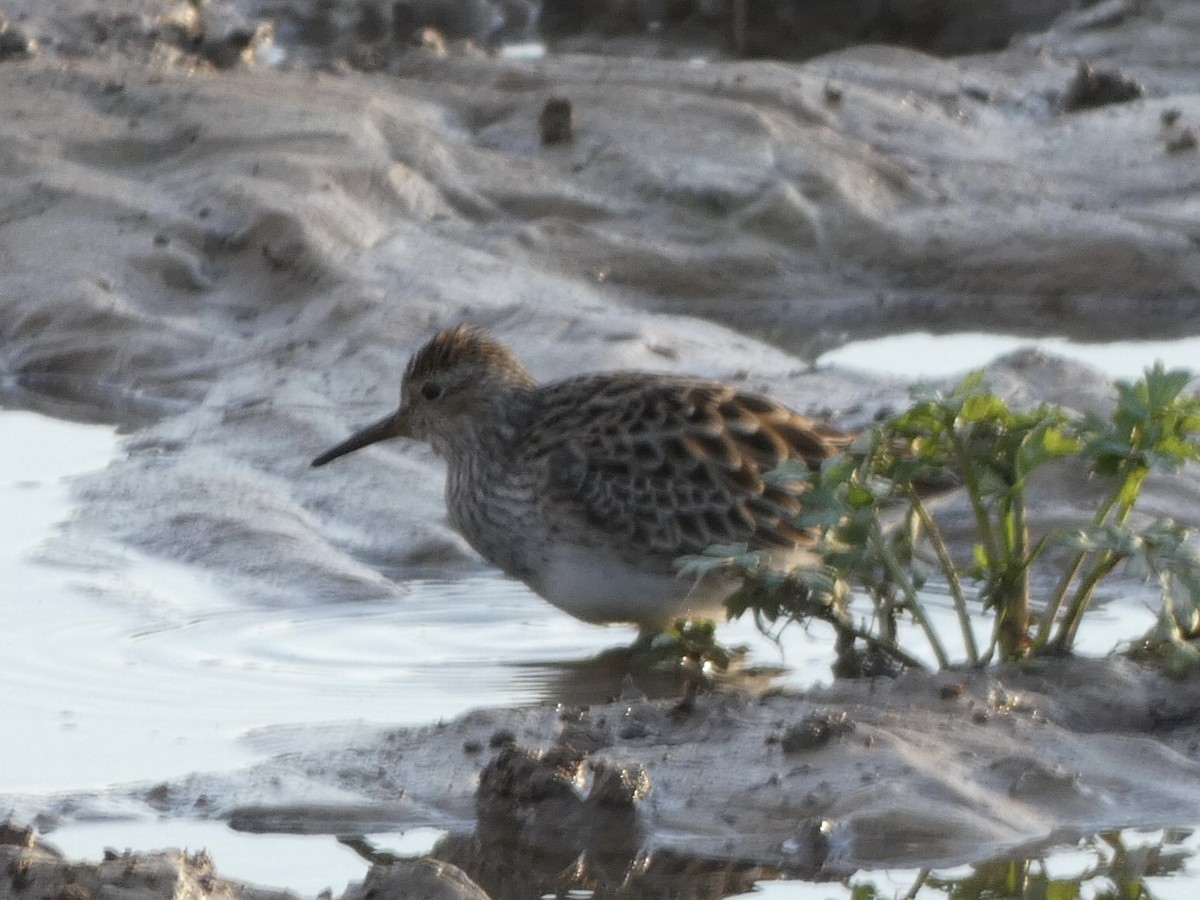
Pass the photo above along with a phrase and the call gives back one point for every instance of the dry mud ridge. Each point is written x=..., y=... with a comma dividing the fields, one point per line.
x=219, y=230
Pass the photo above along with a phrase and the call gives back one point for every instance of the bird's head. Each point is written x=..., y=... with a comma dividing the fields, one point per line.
x=460, y=380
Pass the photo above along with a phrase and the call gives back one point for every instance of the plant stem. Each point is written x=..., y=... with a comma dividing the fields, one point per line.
x=1135, y=475
x=890, y=648
x=1065, y=638
x=967, y=468
x=1012, y=608
x=843, y=623
x=950, y=571
x=922, y=877
x=896, y=571
x=1050, y=613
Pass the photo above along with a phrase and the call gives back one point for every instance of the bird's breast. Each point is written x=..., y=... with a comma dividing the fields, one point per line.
x=495, y=509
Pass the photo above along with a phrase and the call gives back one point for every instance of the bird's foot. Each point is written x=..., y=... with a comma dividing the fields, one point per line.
x=690, y=645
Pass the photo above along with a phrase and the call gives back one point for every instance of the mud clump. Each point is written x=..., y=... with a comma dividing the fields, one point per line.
x=542, y=788
x=1092, y=87
x=561, y=797
x=14, y=43
x=32, y=871
x=557, y=121
x=430, y=879
x=815, y=731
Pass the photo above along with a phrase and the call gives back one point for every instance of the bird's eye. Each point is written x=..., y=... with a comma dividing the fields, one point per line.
x=431, y=390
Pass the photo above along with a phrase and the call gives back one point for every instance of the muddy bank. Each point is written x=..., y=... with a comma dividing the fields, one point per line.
x=31, y=869
x=925, y=770
x=919, y=771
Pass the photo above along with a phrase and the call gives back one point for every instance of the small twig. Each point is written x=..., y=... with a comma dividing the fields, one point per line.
x=922, y=877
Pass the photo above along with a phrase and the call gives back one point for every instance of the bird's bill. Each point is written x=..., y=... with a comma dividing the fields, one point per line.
x=391, y=426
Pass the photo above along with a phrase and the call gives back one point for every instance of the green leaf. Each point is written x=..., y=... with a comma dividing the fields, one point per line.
x=790, y=472
x=1131, y=487
x=859, y=496
x=984, y=408
x=981, y=557
x=1062, y=890
x=1057, y=443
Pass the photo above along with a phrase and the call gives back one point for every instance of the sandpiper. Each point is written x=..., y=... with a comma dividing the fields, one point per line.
x=589, y=489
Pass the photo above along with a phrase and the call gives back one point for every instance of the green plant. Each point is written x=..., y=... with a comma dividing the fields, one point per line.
x=878, y=536
x=1152, y=427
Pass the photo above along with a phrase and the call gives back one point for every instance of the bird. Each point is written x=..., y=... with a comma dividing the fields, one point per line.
x=589, y=489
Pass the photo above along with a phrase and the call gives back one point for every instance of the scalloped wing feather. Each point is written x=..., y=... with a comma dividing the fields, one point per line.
x=671, y=465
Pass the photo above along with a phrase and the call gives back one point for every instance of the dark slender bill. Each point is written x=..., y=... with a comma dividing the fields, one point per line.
x=385, y=428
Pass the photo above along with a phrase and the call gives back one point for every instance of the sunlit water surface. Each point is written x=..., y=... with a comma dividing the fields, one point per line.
x=129, y=669
x=919, y=355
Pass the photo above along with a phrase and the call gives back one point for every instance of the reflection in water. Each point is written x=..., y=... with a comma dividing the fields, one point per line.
x=1116, y=864
x=508, y=871
x=628, y=673
x=1130, y=864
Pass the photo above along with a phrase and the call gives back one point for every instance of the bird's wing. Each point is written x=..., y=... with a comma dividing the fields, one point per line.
x=671, y=465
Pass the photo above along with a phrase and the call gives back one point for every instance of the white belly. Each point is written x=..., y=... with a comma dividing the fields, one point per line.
x=602, y=589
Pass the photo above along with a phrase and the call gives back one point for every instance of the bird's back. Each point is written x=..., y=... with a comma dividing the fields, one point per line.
x=650, y=467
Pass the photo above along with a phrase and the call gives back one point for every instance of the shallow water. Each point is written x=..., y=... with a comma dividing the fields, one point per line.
x=118, y=647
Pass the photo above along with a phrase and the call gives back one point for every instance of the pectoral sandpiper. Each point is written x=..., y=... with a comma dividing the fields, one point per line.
x=589, y=489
